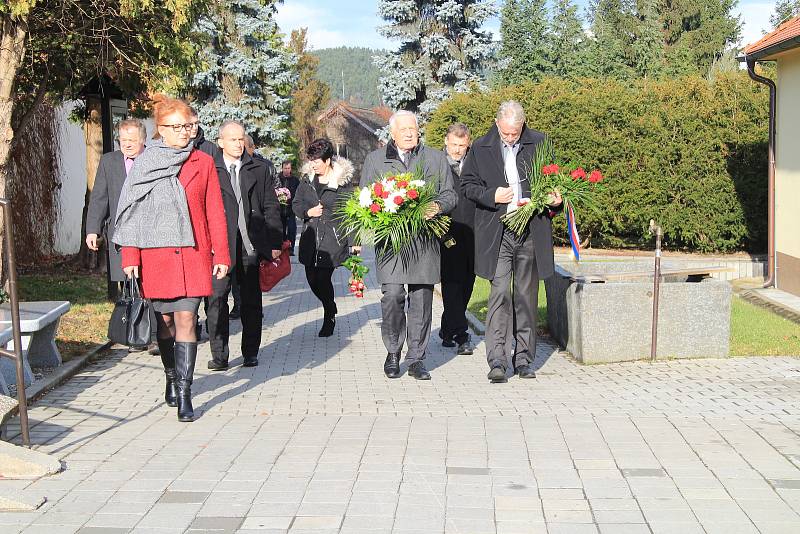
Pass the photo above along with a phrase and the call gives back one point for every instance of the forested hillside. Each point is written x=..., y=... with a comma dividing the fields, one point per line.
x=360, y=75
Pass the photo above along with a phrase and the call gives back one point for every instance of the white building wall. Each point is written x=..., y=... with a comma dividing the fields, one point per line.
x=73, y=181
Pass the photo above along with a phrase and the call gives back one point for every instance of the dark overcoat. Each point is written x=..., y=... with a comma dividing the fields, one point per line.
x=482, y=174
x=103, y=207
x=420, y=262
x=458, y=261
x=323, y=243
x=261, y=206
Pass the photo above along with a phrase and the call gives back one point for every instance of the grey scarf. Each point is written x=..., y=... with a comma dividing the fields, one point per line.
x=152, y=210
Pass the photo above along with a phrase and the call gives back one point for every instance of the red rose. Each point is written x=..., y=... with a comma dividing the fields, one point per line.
x=402, y=184
x=578, y=173
x=374, y=208
x=550, y=169
x=595, y=177
x=398, y=200
x=378, y=189
x=385, y=195
x=412, y=194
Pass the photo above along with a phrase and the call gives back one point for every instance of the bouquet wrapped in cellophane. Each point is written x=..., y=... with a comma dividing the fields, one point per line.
x=576, y=187
x=393, y=211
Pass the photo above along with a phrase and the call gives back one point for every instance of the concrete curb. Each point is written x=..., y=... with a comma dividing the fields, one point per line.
x=14, y=501
x=22, y=463
x=772, y=305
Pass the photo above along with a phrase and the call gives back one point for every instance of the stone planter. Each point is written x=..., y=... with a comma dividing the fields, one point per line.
x=611, y=321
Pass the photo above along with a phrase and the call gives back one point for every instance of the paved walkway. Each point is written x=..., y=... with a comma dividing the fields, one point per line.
x=317, y=440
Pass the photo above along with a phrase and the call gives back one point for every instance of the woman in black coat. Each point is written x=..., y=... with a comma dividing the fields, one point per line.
x=324, y=246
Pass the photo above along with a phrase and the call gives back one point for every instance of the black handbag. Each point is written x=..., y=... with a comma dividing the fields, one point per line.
x=133, y=318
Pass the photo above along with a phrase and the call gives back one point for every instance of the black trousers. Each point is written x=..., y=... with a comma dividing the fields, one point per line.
x=321, y=284
x=512, y=311
x=251, y=311
x=455, y=297
x=289, y=229
x=217, y=318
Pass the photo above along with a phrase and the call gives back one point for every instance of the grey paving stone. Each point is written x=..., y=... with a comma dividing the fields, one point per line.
x=103, y=530
x=632, y=473
x=786, y=484
x=226, y=524
x=183, y=497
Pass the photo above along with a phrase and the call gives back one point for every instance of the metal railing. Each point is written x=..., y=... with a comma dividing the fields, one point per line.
x=16, y=354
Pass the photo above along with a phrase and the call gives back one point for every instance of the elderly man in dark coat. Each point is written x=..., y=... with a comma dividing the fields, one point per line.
x=418, y=267
x=458, y=260
x=111, y=173
x=495, y=178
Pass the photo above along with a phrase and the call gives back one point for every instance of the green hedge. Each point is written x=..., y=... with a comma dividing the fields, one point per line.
x=690, y=153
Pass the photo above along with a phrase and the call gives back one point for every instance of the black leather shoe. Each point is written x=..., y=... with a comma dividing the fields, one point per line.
x=391, y=367
x=153, y=349
x=447, y=342
x=216, y=365
x=185, y=358
x=497, y=375
x=235, y=313
x=418, y=371
x=465, y=349
x=328, y=324
x=250, y=362
x=525, y=371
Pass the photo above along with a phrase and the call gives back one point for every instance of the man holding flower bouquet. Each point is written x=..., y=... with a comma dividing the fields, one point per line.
x=496, y=177
x=417, y=265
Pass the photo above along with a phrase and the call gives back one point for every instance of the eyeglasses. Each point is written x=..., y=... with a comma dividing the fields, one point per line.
x=179, y=127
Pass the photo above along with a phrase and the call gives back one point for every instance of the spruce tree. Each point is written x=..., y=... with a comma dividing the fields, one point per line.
x=610, y=54
x=524, y=53
x=249, y=74
x=568, y=41
x=784, y=10
x=442, y=49
x=647, y=42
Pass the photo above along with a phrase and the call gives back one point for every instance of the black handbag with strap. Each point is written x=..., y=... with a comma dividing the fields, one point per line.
x=133, y=318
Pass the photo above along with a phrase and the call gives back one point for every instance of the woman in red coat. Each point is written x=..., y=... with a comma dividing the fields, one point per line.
x=173, y=234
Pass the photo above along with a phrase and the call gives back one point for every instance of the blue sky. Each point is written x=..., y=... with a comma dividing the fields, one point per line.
x=353, y=22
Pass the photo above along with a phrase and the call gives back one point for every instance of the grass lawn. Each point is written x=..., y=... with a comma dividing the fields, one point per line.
x=755, y=331
x=85, y=326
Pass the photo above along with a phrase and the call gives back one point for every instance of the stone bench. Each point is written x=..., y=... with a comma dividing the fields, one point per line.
x=38, y=323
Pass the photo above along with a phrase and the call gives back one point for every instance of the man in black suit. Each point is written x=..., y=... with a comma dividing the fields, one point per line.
x=111, y=173
x=254, y=232
x=495, y=178
x=458, y=260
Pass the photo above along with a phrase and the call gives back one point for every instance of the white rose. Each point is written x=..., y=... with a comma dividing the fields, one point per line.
x=365, y=198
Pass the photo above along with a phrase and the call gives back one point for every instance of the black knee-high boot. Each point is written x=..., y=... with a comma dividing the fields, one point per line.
x=167, y=348
x=185, y=358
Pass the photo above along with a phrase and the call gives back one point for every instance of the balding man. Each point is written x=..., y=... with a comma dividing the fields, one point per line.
x=495, y=178
x=254, y=232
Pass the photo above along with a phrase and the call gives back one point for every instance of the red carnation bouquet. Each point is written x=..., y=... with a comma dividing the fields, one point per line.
x=576, y=187
x=393, y=210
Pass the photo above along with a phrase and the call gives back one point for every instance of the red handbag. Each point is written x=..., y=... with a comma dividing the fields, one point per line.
x=273, y=271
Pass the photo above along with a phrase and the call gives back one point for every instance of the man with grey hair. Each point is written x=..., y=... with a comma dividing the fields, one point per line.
x=418, y=266
x=458, y=260
x=495, y=178
x=111, y=173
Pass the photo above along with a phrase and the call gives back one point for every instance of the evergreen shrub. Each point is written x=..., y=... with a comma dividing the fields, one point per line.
x=689, y=153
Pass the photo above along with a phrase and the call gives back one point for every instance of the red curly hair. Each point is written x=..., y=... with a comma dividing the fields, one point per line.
x=164, y=106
